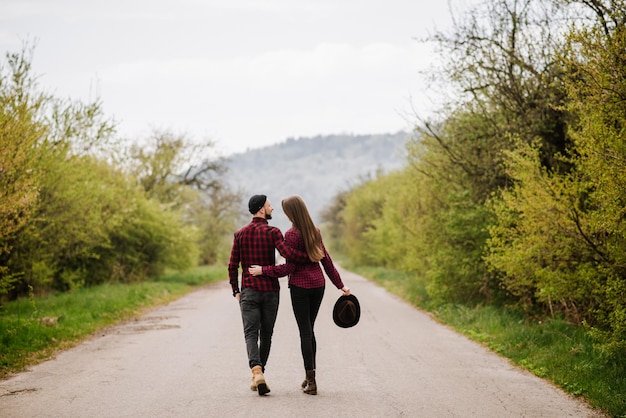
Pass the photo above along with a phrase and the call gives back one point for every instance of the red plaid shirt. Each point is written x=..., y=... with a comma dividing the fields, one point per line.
x=256, y=244
x=308, y=274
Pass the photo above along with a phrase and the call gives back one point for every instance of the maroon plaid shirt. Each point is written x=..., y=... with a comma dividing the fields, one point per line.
x=308, y=274
x=256, y=244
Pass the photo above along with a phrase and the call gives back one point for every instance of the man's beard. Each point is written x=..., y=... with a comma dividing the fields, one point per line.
x=268, y=216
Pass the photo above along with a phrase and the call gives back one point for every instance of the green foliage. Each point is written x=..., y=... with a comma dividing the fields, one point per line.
x=79, y=208
x=457, y=234
x=536, y=241
x=180, y=175
x=67, y=228
x=598, y=90
x=215, y=222
x=363, y=207
x=501, y=57
x=91, y=225
x=401, y=283
x=20, y=132
x=559, y=239
x=439, y=201
x=502, y=60
x=334, y=227
x=388, y=237
x=197, y=276
x=147, y=241
x=398, y=220
x=516, y=194
x=553, y=349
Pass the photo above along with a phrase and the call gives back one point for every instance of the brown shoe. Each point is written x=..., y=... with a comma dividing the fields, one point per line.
x=258, y=380
x=311, y=384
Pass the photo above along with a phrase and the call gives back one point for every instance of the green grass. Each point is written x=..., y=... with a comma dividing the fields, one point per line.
x=33, y=329
x=552, y=349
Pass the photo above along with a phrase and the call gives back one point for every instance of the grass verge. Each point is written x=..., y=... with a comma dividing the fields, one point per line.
x=551, y=349
x=33, y=329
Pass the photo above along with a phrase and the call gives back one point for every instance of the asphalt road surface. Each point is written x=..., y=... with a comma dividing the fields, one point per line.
x=188, y=359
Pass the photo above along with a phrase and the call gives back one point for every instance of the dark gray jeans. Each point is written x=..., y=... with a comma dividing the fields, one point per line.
x=258, y=313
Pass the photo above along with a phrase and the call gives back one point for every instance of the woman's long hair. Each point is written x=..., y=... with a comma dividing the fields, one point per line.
x=298, y=214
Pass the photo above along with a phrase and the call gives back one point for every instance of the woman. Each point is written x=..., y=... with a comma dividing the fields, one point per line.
x=306, y=281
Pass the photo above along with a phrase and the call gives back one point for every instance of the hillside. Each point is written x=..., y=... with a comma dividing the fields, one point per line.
x=315, y=168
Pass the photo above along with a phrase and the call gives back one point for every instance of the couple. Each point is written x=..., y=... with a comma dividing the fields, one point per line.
x=254, y=248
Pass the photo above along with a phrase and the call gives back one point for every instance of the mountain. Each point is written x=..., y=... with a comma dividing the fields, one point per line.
x=315, y=168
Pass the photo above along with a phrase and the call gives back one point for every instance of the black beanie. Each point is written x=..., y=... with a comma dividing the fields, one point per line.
x=256, y=203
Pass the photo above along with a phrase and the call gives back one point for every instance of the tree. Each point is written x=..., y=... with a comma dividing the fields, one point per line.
x=597, y=87
x=72, y=211
x=501, y=58
x=559, y=236
x=216, y=218
x=186, y=177
x=169, y=163
x=21, y=130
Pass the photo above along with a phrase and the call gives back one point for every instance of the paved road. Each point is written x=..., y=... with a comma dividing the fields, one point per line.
x=187, y=359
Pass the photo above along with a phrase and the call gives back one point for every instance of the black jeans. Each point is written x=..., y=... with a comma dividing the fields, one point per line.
x=306, y=304
x=258, y=313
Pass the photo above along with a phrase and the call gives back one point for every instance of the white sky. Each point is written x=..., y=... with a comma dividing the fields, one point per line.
x=243, y=73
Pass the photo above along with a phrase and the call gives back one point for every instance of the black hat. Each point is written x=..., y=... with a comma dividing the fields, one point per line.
x=347, y=311
x=256, y=203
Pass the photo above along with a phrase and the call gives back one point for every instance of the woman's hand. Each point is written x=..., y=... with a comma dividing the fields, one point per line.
x=346, y=291
x=255, y=270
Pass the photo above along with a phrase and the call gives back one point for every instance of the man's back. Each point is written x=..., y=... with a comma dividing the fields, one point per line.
x=255, y=244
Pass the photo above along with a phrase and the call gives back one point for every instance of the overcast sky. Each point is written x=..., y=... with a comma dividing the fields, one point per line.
x=243, y=73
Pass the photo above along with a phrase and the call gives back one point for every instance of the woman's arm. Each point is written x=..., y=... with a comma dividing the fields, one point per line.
x=279, y=270
x=332, y=273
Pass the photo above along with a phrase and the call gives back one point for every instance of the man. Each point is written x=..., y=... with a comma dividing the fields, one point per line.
x=256, y=244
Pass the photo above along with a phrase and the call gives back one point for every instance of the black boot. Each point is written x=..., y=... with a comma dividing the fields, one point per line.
x=311, y=385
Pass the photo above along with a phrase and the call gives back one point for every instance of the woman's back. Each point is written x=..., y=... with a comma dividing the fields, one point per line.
x=310, y=275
